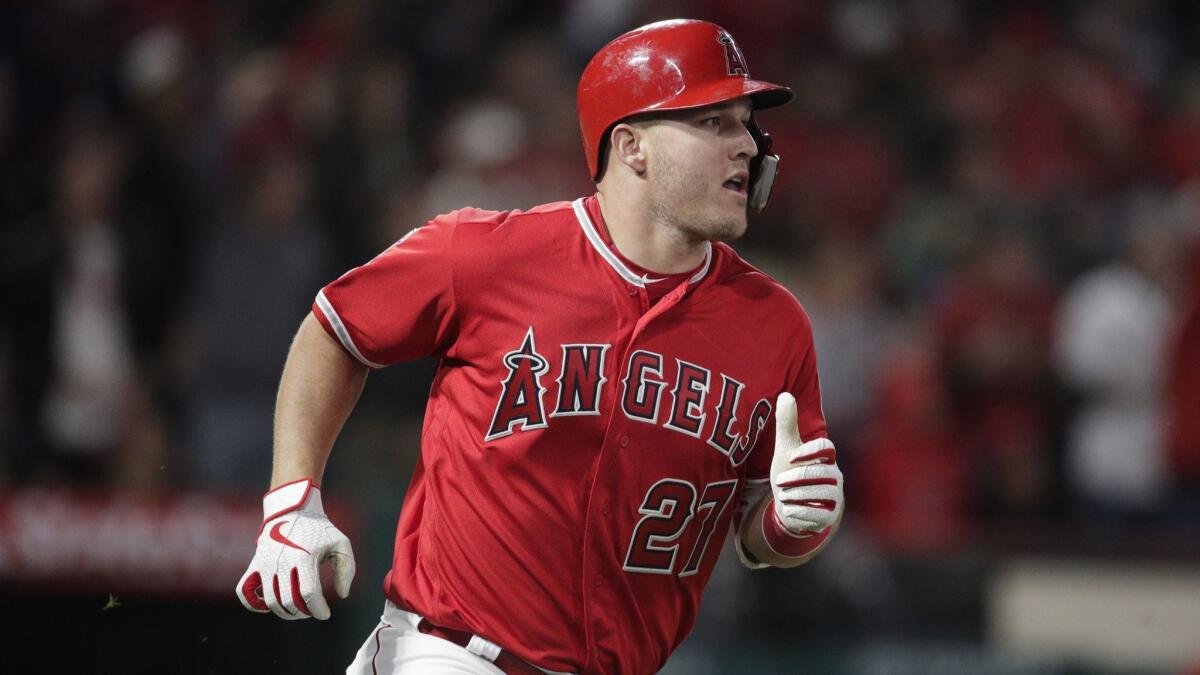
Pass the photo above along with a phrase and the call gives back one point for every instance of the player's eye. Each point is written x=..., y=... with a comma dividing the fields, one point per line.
x=711, y=121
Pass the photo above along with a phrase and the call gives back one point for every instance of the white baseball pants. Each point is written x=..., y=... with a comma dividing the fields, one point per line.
x=396, y=647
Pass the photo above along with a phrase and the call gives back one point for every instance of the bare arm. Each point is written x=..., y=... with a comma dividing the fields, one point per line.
x=321, y=384
x=753, y=541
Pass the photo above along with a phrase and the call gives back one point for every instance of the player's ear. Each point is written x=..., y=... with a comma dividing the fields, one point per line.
x=628, y=147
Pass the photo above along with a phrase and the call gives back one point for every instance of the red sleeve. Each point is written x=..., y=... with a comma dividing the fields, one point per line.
x=399, y=306
x=803, y=383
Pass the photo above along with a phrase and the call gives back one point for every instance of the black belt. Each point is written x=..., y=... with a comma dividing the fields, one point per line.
x=506, y=661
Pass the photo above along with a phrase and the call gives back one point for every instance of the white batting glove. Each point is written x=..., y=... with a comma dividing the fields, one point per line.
x=805, y=479
x=296, y=537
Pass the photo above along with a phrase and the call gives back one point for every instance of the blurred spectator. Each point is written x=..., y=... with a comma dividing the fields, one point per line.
x=260, y=271
x=169, y=188
x=1183, y=384
x=532, y=75
x=927, y=238
x=1112, y=329
x=914, y=473
x=842, y=170
x=171, y=141
x=91, y=326
x=1178, y=138
x=850, y=332
x=478, y=143
x=517, y=144
x=371, y=154
x=993, y=324
x=588, y=24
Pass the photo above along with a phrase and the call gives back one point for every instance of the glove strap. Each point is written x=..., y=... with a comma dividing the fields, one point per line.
x=786, y=543
x=290, y=497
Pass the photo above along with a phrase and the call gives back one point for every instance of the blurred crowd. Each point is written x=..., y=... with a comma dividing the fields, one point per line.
x=991, y=210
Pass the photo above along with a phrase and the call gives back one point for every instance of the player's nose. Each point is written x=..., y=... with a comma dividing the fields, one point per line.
x=744, y=147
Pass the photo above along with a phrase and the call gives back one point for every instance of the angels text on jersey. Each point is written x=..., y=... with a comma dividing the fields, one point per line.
x=681, y=396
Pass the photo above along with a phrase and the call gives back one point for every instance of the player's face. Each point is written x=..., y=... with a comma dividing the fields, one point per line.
x=699, y=170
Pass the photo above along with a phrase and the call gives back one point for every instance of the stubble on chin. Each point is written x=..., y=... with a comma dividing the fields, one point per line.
x=679, y=202
x=722, y=229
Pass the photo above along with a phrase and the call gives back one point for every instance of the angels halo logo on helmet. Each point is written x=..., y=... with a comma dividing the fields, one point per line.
x=673, y=65
x=734, y=60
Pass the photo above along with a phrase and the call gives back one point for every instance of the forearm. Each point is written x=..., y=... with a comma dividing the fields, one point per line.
x=320, y=385
x=754, y=541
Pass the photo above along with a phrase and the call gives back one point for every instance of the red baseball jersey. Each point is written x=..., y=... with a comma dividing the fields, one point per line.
x=584, y=449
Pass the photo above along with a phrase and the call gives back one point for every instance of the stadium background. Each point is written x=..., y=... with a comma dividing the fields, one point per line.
x=991, y=211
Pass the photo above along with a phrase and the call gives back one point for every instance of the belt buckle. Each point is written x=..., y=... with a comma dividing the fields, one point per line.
x=483, y=648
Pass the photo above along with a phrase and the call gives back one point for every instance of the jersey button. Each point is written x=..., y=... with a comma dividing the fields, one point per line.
x=624, y=440
x=596, y=581
x=632, y=290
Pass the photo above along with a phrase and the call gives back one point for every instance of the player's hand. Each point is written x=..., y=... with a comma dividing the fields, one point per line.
x=296, y=537
x=805, y=479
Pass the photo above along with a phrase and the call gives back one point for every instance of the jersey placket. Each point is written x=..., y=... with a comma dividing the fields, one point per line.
x=615, y=441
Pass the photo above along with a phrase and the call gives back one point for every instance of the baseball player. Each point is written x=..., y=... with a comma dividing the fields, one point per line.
x=616, y=390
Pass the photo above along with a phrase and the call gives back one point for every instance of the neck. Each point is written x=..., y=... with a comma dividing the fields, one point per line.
x=655, y=245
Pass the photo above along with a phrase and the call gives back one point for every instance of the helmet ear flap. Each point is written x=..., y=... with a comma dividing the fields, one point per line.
x=763, y=168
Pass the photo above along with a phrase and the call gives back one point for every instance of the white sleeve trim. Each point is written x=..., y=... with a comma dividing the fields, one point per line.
x=593, y=236
x=339, y=329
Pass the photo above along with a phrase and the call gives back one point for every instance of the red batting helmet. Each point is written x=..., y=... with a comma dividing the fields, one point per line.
x=672, y=65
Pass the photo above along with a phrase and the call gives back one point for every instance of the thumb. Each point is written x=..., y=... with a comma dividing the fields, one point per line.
x=342, y=558
x=787, y=429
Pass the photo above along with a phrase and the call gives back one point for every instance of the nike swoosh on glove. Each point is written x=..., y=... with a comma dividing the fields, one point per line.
x=295, y=538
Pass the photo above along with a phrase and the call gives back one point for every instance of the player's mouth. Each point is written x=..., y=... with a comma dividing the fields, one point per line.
x=739, y=182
